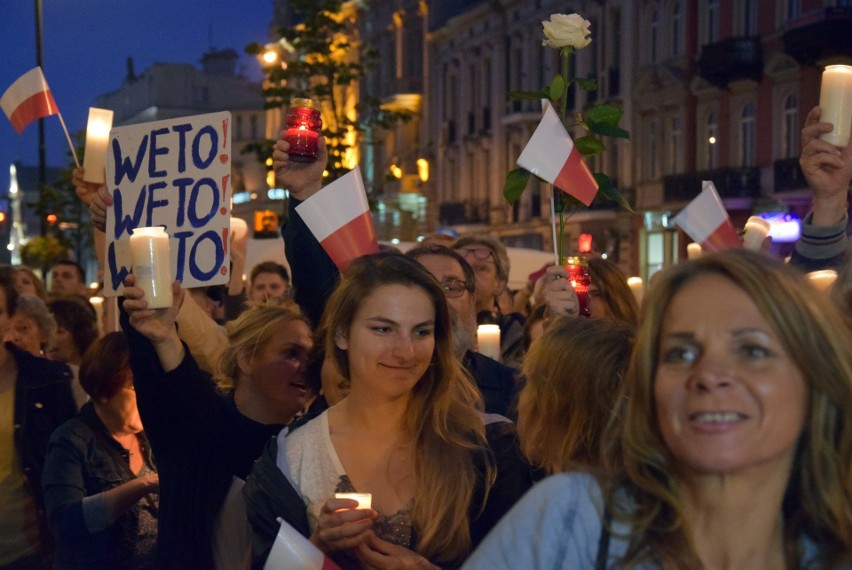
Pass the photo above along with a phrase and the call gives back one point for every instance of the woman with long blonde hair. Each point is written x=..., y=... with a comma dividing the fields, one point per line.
x=735, y=448
x=409, y=432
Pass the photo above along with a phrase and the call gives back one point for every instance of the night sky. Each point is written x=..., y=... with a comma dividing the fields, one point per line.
x=86, y=44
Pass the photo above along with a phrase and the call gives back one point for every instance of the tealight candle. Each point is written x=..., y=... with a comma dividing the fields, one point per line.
x=488, y=340
x=152, y=265
x=98, y=304
x=835, y=102
x=97, y=139
x=637, y=287
x=823, y=279
x=365, y=500
x=693, y=251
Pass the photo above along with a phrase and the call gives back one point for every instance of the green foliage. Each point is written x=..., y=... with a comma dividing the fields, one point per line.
x=317, y=65
x=44, y=251
x=516, y=183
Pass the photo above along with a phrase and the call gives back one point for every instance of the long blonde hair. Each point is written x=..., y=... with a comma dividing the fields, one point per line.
x=818, y=500
x=443, y=419
x=573, y=373
x=248, y=333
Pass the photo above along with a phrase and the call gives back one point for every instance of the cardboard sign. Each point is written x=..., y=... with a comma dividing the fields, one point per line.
x=173, y=173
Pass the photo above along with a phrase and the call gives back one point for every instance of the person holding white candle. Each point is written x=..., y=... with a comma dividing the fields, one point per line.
x=205, y=437
x=409, y=432
x=828, y=172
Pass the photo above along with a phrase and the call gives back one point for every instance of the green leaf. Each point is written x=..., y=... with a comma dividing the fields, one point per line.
x=557, y=88
x=527, y=95
x=587, y=84
x=516, y=183
x=605, y=114
x=589, y=145
x=607, y=130
x=610, y=192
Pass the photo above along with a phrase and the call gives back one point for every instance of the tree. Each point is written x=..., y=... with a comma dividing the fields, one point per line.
x=321, y=58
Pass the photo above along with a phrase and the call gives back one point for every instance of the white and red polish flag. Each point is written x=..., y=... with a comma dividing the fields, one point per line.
x=551, y=155
x=706, y=221
x=292, y=551
x=27, y=99
x=339, y=217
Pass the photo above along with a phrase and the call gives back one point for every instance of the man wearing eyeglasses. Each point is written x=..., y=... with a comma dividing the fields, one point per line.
x=490, y=261
x=496, y=382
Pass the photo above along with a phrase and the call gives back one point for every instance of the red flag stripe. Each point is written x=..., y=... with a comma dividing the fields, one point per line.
x=723, y=237
x=351, y=240
x=576, y=179
x=32, y=108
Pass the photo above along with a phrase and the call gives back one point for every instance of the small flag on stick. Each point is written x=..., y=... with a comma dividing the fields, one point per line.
x=706, y=221
x=339, y=217
x=292, y=551
x=551, y=155
x=29, y=99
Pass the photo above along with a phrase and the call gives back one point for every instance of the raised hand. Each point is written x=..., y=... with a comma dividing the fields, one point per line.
x=827, y=170
x=302, y=179
x=157, y=325
x=378, y=554
x=558, y=295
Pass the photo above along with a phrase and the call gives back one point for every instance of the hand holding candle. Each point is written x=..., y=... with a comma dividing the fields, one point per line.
x=365, y=500
x=756, y=230
x=97, y=138
x=152, y=265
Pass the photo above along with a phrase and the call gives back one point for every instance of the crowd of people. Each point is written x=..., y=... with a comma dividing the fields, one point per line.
x=710, y=427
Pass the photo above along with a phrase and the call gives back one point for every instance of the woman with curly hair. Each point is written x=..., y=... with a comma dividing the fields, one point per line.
x=735, y=442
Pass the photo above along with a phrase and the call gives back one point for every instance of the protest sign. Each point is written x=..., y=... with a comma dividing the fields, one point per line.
x=173, y=173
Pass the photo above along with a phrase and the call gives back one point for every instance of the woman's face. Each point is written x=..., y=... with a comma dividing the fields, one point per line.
x=276, y=371
x=24, y=333
x=63, y=348
x=728, y=396
x=390, y=341
x=24, y=284
x=123, y=404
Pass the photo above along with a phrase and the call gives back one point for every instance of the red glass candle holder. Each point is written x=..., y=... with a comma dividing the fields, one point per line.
x=303, y=128
x=578, y=271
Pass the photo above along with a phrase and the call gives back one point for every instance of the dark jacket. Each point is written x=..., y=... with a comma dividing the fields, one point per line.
x=43, y=402
x=269, y=494
x=496, y=382
x=83, y=459
x=201, y=442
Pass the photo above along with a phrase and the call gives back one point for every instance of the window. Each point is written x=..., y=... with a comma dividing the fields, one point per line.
x=675, y=143
x=710, y=142
x=712, y=30
x=677, y=29
x=655, y=34
x=253, y=127
x=790, y=147
x=750, y=17
x=794, y=9
x=653, y=150
x=747, y=135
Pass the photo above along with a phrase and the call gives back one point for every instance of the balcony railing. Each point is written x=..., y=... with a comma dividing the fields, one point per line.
x=788, y=175
x=820, y=34
x=731, y=59
x=730, y=183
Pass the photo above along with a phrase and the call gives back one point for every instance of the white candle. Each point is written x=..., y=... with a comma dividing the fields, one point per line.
x=98, y=304
x=693, y=251
x=97, y=139
x=488, y=340
x=756, y=230
x=835, y=100
x=637, y=287
x=824, y=279
x=152, y=266
x=365, y=500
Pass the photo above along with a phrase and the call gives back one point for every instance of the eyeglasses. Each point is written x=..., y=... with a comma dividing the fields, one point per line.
x=453, y=288
x=476, y=252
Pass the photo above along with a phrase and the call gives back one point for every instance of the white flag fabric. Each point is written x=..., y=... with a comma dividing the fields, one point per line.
x=706, y=221
x=292, y=551
x=27, y=99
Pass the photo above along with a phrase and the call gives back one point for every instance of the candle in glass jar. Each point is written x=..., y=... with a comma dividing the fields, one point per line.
x=303, y=128
x=835, y=102
x=97, y=139
x=365, y=500
x=152, y=265
x=578, y=275
x=693, y=251
x=488, y=341
x=824, y=279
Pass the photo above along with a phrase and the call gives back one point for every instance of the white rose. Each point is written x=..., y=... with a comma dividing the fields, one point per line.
x=566, y=30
